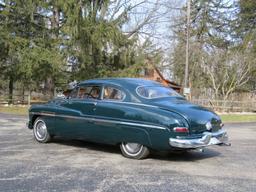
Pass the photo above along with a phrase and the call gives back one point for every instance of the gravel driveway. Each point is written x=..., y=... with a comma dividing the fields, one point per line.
x=62, y=165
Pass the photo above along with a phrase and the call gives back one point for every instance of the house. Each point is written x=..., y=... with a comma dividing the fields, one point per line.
x=152, y=73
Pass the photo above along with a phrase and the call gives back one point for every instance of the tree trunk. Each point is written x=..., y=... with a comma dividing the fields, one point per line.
x=49, y=88
x=55, y=21
x=23, y=94
x=10, y=97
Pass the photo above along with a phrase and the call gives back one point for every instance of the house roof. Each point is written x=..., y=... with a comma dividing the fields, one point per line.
x=166, y=80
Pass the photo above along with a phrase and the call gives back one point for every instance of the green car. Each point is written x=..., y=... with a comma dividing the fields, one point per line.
x=136, y=114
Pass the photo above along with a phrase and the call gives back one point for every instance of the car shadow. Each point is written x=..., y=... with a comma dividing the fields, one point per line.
x=88, y=145
x=191, y=155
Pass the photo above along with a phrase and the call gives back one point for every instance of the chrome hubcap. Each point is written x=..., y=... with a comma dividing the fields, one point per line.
x=41, y=130
x=132, y=147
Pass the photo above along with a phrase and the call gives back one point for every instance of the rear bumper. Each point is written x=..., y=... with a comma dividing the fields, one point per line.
x=208, y=138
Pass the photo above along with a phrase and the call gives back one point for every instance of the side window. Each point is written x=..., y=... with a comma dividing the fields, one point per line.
x=113, y=93
x=73, y=93
x=89, y=92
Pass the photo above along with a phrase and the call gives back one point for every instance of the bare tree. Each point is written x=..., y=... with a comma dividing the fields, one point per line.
x=228, y=71
x=148, y=18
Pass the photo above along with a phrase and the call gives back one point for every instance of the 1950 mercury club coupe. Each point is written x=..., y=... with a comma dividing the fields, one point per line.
x=136, y=114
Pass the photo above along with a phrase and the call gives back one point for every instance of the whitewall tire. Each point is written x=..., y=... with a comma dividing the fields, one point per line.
x=40, y=131
x=134, y=150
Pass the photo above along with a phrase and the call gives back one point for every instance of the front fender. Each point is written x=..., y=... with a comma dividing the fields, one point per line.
x=45, y=110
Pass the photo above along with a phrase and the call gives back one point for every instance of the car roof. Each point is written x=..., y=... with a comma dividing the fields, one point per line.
x=126, y=82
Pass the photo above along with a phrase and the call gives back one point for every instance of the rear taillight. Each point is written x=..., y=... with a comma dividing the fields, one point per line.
x=180, y=129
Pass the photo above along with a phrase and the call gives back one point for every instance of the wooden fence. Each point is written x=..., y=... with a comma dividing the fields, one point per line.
x=216, y=105
x=22, y=100
x=227, y=105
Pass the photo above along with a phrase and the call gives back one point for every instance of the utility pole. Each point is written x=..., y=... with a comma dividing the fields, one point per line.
x=186, y=90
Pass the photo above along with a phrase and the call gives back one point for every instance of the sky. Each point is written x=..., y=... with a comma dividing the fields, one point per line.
x=164, y=13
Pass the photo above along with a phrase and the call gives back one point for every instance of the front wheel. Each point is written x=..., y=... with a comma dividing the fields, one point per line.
x=40, y=131
x=134, y=150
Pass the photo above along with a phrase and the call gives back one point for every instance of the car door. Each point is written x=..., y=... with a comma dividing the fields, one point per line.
x=74, y=118
x=107, y=113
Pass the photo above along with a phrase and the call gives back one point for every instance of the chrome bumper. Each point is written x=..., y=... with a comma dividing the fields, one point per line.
x=208, y=138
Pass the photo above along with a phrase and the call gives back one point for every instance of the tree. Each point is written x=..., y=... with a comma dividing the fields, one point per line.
x=244, y=28
x=215, y=62
x=28, y=44
x=13, y=29
x=228, y=71
x=98, y=44
x=52, y=42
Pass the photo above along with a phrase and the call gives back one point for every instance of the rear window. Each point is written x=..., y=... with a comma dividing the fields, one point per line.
x=153, y=92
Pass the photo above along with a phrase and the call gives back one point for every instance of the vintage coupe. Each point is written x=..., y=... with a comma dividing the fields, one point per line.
x=136, y=114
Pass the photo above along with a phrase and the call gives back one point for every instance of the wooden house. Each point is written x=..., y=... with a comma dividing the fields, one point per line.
x=152, y=73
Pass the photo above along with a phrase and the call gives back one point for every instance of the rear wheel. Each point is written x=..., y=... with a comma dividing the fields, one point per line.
x=40, y=131
x=134, y=150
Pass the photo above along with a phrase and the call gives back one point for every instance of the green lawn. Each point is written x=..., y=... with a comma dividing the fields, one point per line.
x=238, y=118
x=226, y=118
x=14, y=110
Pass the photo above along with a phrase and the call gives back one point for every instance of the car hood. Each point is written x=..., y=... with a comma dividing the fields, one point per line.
x=196, y=116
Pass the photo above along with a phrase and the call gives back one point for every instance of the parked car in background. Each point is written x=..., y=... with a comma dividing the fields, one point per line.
x=136, y=114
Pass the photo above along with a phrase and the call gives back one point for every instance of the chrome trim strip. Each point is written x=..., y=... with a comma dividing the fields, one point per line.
x=114, y=101
x=43, y=113
x=132, y=103
x=87, y=101
x=100, y=120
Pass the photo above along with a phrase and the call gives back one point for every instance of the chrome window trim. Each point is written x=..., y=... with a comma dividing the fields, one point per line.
x=92, y=118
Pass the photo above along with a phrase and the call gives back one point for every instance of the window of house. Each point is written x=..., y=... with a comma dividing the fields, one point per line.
x=149, y=72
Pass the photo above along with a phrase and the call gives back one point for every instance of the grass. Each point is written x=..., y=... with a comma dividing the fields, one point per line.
x=226, y=118
x=232, y=118
x=16, y=110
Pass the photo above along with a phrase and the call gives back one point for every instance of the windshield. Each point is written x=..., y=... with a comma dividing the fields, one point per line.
x=153, y=92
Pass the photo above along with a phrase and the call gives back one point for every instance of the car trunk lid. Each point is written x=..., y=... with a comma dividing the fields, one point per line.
x=197, y=116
